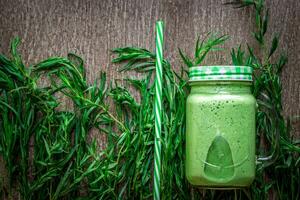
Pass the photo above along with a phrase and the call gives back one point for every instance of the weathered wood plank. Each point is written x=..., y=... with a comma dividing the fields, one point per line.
x=91, y=28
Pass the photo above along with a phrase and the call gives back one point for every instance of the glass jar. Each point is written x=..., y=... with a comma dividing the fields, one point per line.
x=220, y=127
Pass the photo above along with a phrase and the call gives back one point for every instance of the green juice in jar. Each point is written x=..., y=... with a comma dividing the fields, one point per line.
x=220, y=120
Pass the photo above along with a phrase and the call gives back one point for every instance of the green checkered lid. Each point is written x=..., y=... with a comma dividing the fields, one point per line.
x=220, y=73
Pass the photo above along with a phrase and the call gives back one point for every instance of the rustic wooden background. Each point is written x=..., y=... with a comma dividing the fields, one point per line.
x=91, y=28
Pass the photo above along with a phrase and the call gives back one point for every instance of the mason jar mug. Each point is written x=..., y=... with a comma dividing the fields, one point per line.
x=220, y=127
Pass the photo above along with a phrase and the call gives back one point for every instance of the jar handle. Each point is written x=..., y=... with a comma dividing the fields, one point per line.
x=270, y=159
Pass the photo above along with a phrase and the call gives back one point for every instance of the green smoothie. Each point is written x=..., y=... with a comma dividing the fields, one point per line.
x=220, y=134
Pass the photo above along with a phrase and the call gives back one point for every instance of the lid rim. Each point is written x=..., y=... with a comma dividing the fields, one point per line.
x=234, y=80
x=220, y=66
x=220, y=73
x=212, y=74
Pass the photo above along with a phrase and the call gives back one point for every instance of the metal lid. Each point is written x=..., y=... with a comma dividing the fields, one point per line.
x=220, y=73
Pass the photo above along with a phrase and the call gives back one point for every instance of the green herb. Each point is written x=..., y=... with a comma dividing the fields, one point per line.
x=59, y=165
x=203, y=48
x=271, y=125
x=141, y=122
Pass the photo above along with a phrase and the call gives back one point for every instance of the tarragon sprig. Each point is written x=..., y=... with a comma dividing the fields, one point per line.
x=210, y=43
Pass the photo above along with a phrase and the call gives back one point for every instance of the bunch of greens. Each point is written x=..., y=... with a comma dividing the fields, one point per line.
x=45, y=150
x=48, y=153
x=272, y=128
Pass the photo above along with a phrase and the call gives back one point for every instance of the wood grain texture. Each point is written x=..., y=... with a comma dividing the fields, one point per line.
x=91, y=28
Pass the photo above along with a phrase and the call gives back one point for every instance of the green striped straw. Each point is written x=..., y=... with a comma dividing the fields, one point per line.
x=157, y=108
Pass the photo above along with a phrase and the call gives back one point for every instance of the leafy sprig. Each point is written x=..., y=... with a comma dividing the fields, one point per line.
x=210, y=43
x=62, y=158
x=271, y=125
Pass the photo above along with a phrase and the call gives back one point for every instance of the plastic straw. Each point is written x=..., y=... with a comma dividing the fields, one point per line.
x=158, y=111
